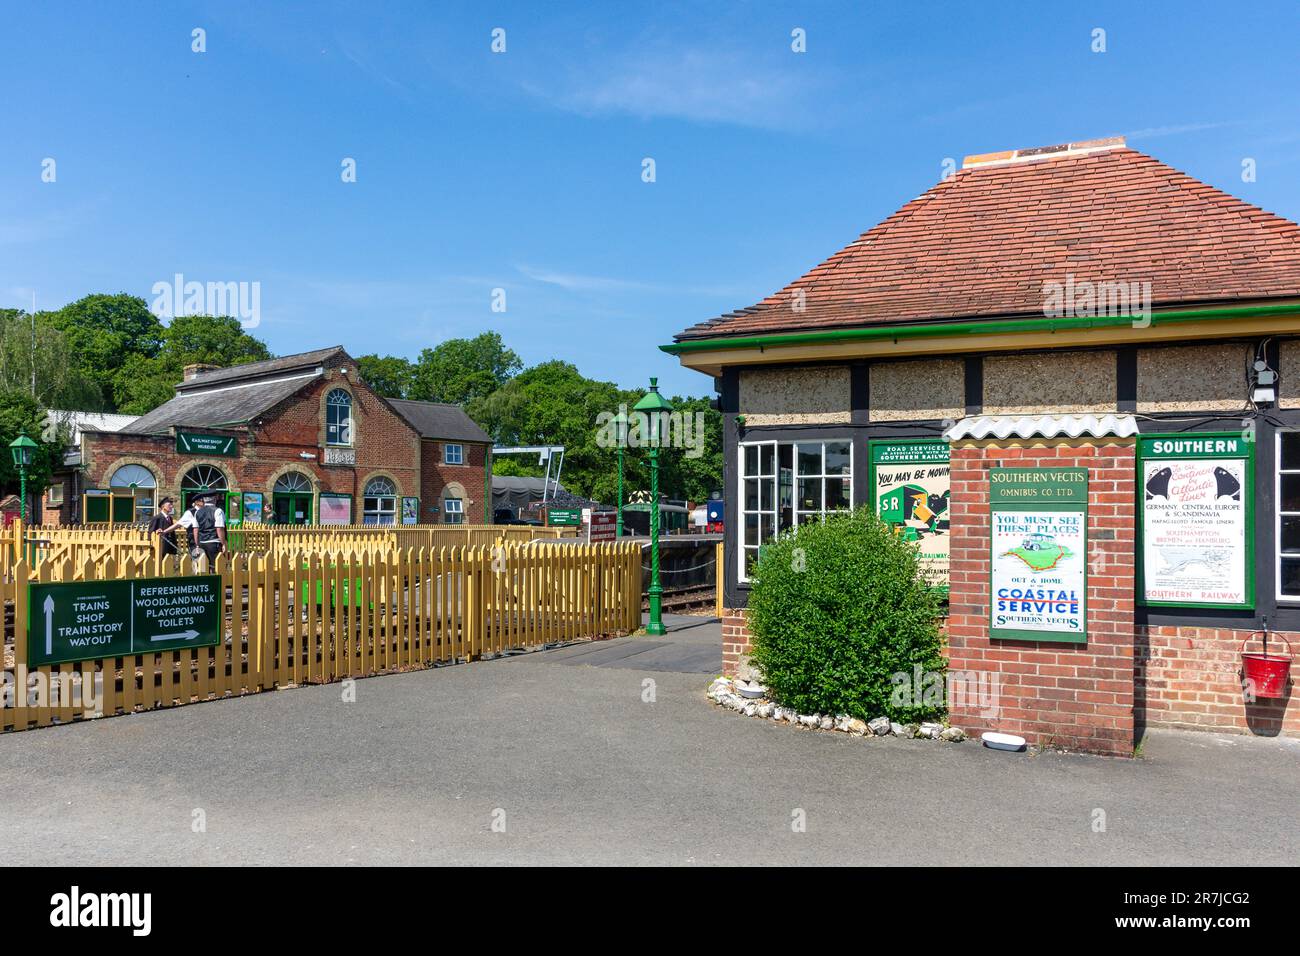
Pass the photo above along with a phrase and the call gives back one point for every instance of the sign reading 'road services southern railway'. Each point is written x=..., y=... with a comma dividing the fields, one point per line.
x=86, y=620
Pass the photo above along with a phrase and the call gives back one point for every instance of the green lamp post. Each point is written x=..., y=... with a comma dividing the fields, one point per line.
x=620, y=425
x=655, y=409
x=22, y=449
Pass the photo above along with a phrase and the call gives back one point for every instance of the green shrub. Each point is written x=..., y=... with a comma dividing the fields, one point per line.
x=837, y=609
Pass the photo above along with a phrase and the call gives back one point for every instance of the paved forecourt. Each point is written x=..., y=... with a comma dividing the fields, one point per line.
x=592, y=764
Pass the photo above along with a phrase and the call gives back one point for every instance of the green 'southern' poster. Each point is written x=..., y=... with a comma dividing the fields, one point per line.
x=1197, y=520
x=1039, y=560
x=910, y=490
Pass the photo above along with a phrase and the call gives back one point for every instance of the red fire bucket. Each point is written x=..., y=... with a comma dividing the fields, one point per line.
x=1267, y=673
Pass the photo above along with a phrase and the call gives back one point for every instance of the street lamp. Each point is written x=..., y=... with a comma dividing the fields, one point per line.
x=620, y=427
x=655, y=409
x=22, y=449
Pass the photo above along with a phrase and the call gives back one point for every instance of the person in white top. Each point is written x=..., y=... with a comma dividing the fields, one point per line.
x=205, y=526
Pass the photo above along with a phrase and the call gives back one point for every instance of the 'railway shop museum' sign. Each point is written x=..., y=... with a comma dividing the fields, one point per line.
x=1039, y=532
x=1197, y=520
x=87, y=620
x=910, y=491
x=195, y=443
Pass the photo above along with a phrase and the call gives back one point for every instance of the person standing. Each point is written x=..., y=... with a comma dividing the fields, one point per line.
x=205, y=526
x=164, y=524
x=187, y=522
x=210, y=529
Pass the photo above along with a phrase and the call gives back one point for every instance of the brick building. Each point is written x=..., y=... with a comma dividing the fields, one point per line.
x=1080, y=316
x=61, y=502
x=299, y=439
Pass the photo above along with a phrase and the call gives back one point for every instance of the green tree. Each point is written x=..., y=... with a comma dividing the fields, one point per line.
x=36, y=353
x=693, y=472
x=461, y=370
x=143, y=382
x=212, y=339
x=554, y=404
x=20, y=412
x=103, y=331
x=390, y=375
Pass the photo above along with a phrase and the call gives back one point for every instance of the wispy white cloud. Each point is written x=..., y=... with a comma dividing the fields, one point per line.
x=1155, y=132
x=579, y=282
x=363, y=63
x=705, y=85
x=574, y=282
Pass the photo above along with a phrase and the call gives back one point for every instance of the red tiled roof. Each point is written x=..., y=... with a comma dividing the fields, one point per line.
x=983, y=242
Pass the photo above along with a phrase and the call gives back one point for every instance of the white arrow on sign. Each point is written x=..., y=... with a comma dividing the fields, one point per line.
x=182, y=635
x=49, y=625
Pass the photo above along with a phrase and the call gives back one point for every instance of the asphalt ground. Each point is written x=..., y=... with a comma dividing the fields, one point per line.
x=610, y=753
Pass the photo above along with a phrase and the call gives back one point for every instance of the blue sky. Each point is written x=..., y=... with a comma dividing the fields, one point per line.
x=522, y=170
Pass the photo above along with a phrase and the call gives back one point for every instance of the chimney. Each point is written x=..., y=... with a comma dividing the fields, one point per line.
x=192, y=371
x=1059, y=151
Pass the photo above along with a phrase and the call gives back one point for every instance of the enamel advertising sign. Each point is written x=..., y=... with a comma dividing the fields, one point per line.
x=1039, y=531
x=910, y=492
x=1196, y=506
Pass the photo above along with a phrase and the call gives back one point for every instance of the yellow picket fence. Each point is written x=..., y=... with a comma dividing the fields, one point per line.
x=118, y=543
x=305, y=618
x=56, y=545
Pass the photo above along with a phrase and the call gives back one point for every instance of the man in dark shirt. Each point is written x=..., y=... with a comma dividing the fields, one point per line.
x=164, y=523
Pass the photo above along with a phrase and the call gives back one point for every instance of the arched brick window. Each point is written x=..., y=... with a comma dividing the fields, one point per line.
x=338, y=417
x=379, y=504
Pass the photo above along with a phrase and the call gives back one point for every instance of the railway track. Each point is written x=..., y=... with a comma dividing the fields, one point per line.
x=686, y=599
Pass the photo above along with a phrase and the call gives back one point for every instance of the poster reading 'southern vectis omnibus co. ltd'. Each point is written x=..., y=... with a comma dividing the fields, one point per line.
x=1039, y=557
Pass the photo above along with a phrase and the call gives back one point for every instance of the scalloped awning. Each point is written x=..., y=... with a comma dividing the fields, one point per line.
x=1043, y=426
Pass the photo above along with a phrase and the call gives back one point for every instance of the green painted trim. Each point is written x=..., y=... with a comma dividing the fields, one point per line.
x=293, y=497
x=1038, y=637
x=984, y=327
x=1248, y=454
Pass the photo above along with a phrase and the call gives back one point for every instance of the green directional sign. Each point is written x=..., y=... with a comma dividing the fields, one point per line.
x=195, y=443
x=564, y=517
x=87, y=620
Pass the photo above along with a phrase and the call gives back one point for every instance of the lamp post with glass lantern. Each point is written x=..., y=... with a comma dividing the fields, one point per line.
x=655, y=408
x=22, y=448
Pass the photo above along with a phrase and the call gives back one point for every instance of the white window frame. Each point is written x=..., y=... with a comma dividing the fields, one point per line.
x=448, y=510
x=386, y=505
x=1278, y=472
x=775, y=478
x=145, y=495
x=351, y=422
x=55, y=494
x=449, y=459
